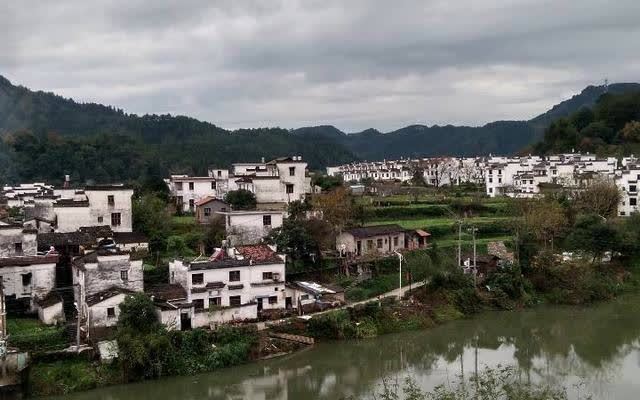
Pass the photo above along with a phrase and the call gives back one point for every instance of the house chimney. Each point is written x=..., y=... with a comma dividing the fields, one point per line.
x=67, y=178
x=262, y=160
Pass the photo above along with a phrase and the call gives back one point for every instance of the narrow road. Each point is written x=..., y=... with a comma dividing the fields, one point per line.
x=393, y=293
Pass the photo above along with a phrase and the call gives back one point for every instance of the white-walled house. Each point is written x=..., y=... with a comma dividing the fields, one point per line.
x=378, y=239
x=95, y=206
x=627, y=181
x=282, y=180
x=24, y=274
x=103, y=279
x=251, y=226
x=234, y=284
x=188, y=190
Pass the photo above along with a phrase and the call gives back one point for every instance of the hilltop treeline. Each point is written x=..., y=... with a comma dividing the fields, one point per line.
x=612, y=127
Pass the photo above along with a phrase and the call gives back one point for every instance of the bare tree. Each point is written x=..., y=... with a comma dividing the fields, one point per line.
x=601, y=197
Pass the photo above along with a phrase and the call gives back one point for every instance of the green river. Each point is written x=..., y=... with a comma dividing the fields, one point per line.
x=587, y=350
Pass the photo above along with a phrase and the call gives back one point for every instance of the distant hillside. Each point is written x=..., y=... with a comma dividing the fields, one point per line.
x=586, y=98
x=62, y=127
x=93, y=141
x=500, y=137
x=610, y=127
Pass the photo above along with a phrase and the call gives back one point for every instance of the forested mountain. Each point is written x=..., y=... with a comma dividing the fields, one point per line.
x=45, y=136
x=500, y=137
x=611, y=127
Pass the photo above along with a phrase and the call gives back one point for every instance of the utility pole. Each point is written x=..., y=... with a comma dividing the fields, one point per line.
x=77, y=304
x=3, y=330
x=459, y=243
x=475, y=265
x=399, y=274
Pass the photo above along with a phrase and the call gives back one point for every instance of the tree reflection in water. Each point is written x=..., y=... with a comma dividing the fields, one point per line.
x=561, y=345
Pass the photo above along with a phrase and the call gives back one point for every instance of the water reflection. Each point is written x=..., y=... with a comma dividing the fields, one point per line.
x=596, y=345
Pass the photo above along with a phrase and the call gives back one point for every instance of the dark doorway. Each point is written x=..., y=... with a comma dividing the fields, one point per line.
x=288, y=303
x=185, y=321
x=260, y=304
x=359, y=248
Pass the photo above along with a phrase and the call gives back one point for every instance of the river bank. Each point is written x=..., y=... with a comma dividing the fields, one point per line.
x=593, y=347
x=446, y=298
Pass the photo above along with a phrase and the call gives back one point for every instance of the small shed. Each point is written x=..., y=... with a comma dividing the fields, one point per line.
x=417, y=239
x=207, y=208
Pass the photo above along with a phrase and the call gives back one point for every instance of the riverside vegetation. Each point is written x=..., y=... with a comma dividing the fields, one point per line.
x=146, y=351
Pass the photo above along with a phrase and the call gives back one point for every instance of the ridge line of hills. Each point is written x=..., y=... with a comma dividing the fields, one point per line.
x=185, y=144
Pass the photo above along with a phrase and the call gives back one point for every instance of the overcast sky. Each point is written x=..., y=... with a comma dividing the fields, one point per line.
x=354, y=64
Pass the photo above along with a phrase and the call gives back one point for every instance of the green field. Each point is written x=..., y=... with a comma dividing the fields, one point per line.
x=427, y=223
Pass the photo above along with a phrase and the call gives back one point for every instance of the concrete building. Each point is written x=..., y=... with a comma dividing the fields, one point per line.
x=436, y=171
x=627, y=181
x=207, y=210
x=371, y=240
x=281, y=180
x=233, y=284
x=188, y=190
x=94, y=206
x=103, y=278
x=26, y=276
x=250, y=226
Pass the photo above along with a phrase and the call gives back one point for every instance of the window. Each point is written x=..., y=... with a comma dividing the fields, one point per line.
x=370, y=244
x=292, y=171
x=198, y=304
x=633, y=201
x=289, y=188
x=18, y=247
x=622, y=213
x=235, y=301
x=223, y=209
x=490, y=180
x=395, y=241
x=531, y=182
x=213, y=185
x=190, y=185
x=100, y=220
x=124, y=275
x=273, y=299
x=379, y=243
x=178, y=185
x=207, y=212
x=234, y=276
x=490, y=190
x=266, y=220
x=267, y=276
x=26, y=279
x=192, y=204
x=632, y=188
x=110, y=200
x=180, y=201
x=219, y=173
x=116, y=219
x=499, y=180
x=197, y=279
x=304, y=297
x=111, y=312
x=215, y=301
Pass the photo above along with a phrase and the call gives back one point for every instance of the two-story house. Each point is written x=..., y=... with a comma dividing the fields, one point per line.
x=103, y=279
x=26, y=276
x=233, y=284
x=95, y=206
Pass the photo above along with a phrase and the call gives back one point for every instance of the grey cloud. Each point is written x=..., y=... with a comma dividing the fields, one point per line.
x=355, y=64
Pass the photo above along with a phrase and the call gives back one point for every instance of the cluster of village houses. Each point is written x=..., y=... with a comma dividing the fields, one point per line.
x=525, y=176
x=73, y=257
